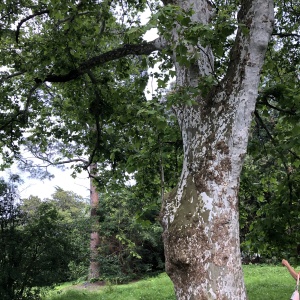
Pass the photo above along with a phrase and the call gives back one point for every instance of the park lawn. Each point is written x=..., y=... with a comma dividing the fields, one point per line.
x=159, y=287
x=268, y=282
x=262, y=282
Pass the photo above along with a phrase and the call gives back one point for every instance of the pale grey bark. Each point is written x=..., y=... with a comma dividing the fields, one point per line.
x=200, y=217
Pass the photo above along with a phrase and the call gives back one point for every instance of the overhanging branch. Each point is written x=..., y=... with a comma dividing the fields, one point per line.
x=49, y=163
x=140, y=49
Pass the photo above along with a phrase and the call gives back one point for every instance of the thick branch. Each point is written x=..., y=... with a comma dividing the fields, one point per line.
x=256, y=19
x=264, y=126
x=141, y=49
x=64, y=162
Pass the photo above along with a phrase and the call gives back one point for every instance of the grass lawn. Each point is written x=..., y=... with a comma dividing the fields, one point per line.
x=268, y=282
x=262, y=282
x=156, y=288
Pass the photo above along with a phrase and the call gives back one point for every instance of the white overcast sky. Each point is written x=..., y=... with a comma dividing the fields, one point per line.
x=45, y=188
x=63, y=179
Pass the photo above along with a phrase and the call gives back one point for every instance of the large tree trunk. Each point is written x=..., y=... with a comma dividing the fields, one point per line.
x=94, y=268
x=200, y=217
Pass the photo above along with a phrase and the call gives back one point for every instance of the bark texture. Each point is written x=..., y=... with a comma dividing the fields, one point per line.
x=94, y=269
x=200, y=217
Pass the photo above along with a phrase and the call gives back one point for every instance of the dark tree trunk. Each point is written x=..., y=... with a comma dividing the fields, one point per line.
x=94, y=269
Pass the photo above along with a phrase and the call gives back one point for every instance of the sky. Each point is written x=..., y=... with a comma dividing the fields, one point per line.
x=45, y=188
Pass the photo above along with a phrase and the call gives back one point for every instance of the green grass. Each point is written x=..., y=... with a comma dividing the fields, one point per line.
x=262, y=282
x=268, y=282
x=157, y=288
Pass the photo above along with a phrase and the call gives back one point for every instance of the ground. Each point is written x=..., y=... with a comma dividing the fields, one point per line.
x=88, y=286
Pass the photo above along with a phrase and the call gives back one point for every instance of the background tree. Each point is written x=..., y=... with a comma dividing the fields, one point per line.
x=74, y=217
x=36, y=248
x=130, y=237
x=94, y=268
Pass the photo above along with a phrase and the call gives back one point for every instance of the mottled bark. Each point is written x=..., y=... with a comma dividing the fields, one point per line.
x=200, y=217
x=94, y=268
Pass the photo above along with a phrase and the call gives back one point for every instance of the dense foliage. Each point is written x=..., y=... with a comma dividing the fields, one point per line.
x=74, y=217
x=270, y=181
x=36, y=248
x=131, y=243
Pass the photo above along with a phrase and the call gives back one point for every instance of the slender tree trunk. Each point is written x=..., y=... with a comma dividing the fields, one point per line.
x=94, y=269
x=200, y=217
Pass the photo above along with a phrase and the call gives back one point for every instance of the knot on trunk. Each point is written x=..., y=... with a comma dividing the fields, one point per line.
x=177, y=264
x=181, y=261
